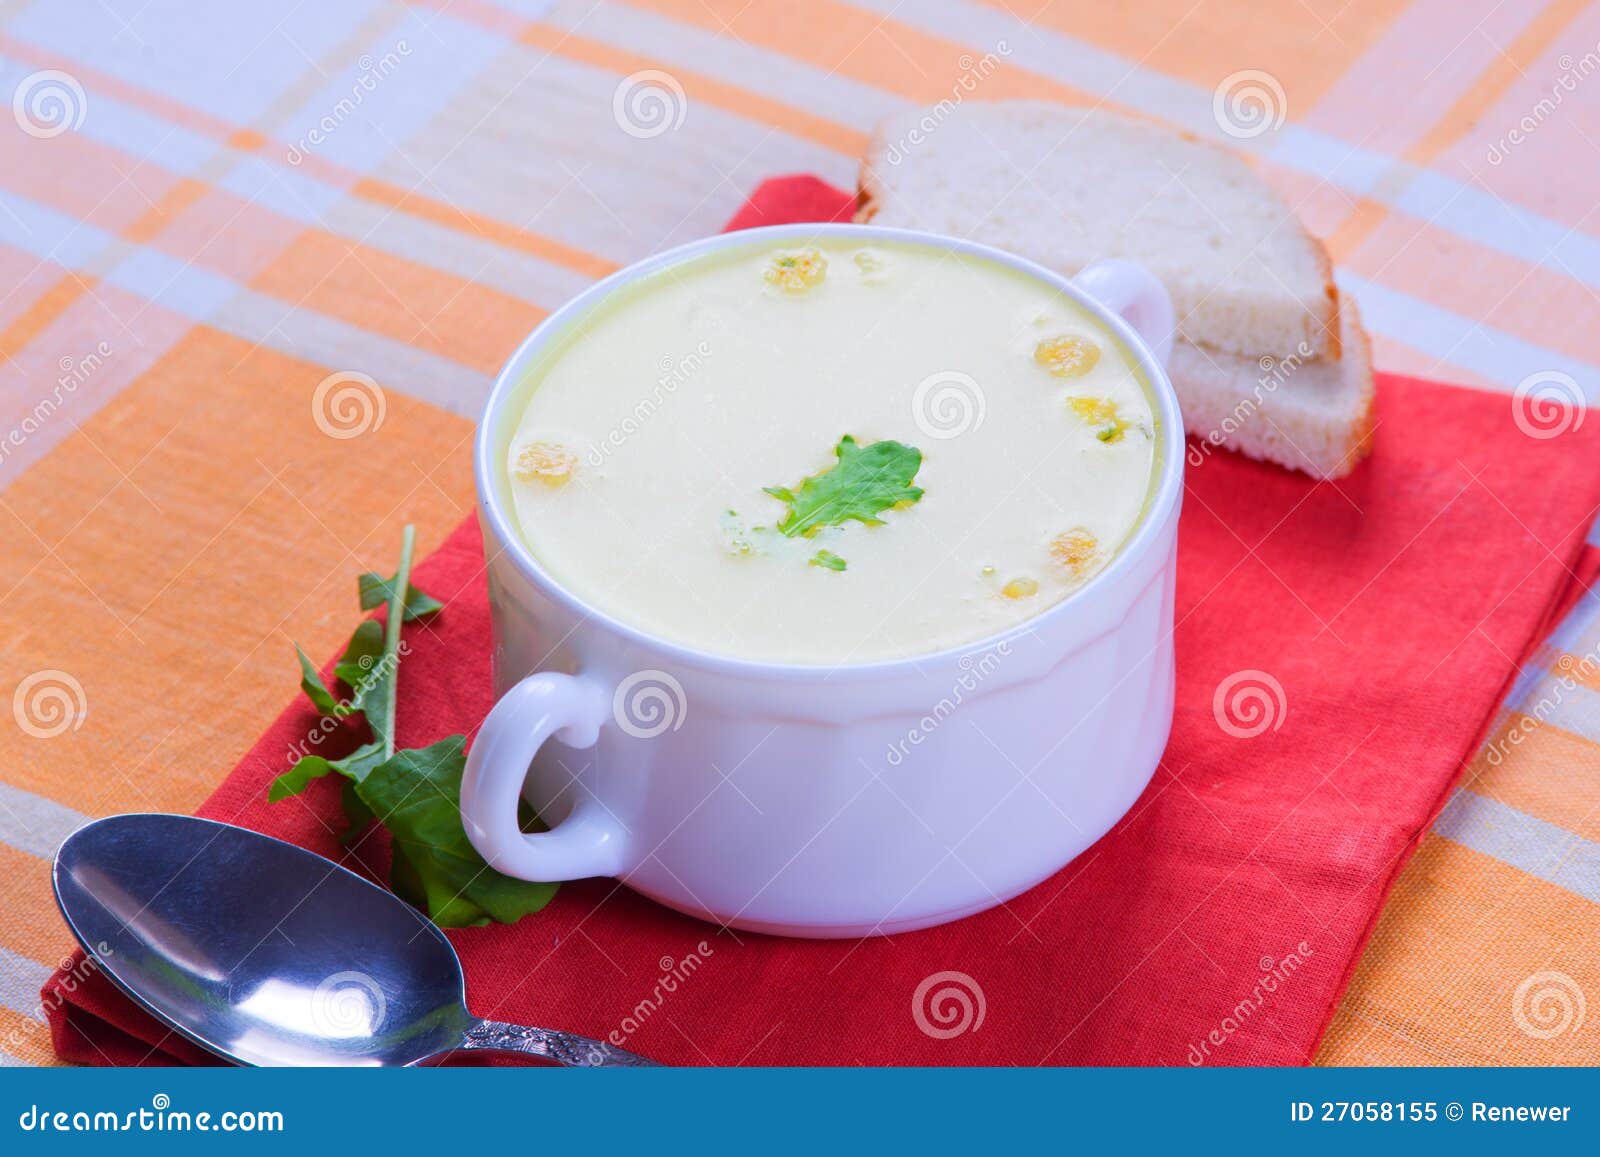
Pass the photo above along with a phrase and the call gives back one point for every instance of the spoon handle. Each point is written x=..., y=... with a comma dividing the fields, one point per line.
x=562, y=1047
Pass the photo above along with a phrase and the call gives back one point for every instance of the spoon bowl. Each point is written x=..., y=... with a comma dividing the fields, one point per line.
x=268, y=954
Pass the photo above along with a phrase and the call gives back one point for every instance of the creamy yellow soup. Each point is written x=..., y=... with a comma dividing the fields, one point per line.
x=831, y=453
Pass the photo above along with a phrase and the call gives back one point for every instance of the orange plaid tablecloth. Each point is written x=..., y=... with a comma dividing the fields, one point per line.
x=257, y=271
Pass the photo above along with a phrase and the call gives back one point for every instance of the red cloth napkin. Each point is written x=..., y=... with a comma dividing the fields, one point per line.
x=1217, y=923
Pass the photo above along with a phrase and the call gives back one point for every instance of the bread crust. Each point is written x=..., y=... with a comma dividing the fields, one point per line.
x=1334, y=333
x=869, y=190
x=1358, y=443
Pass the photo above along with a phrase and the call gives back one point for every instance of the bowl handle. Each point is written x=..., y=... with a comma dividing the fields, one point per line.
x=1132, y=292
x=589, y=841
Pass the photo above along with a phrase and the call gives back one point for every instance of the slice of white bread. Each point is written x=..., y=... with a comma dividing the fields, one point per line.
x=1269, y=360
x=1308, y=414
x=1067, y=186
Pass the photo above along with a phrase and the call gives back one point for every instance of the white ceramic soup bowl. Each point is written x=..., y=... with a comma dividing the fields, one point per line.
x=824, y=801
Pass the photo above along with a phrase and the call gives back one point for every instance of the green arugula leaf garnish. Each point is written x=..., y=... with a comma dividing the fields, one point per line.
x=376, y=590
x=299, y=777
x=361, y=668
x=316, y=690
x=826, y=558
x=356, y=812
x=862, y=484
x=417, y=795
x=353, y=767
x=414, y=793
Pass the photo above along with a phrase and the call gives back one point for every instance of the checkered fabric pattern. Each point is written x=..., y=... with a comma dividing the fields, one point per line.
x=259, y=263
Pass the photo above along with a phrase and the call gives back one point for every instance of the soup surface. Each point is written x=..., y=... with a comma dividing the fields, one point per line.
x=831, y=453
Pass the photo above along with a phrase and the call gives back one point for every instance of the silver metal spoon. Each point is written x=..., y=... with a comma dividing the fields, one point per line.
x=267, y=954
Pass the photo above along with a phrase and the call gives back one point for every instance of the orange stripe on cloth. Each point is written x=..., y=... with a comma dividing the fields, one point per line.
x=465, y=221
x=97, y=184
x=212, y=229
x=1537, y=768
x=1397, y=357
x=228, y=234
x=1538, y=303
x=42, y=313
x=698, y=87
x=1364, y=217
x=890, y=54
x=429, y=308
x=1306, y=47
x=245, y=139
x=471, y=323
x=171, y=206
x=1583, y=668
x=1509, y=66
x=1462, y=968
x=164, y=557
x=116, y=88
